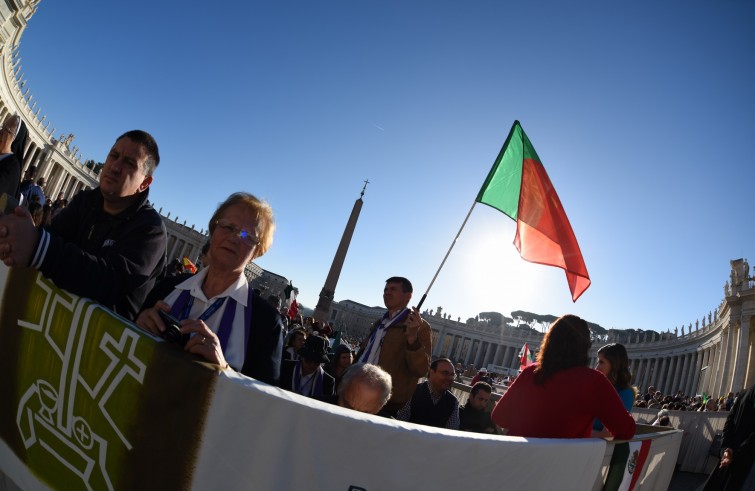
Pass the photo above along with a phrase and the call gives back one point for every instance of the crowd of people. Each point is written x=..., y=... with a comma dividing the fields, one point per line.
x=109, y=245
x=655, y=399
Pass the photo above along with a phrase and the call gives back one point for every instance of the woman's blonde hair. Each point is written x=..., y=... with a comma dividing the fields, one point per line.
x=260, y=209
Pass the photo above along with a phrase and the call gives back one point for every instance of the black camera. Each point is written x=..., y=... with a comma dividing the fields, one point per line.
x=172, y=331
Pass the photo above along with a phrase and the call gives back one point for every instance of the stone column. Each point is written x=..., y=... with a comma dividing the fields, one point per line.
x=44, y=164
x=459, y=349
x=35, y=160
x=445, y=344
x=685, y=372
x=478, y=355
x=705, y=376
x=511, y=355
x=662, y=376
x=644, y=370
x=30, y=146
x=172, y=252
x=646, y=373
x=59, y=182
x=654, y=375
x=724, y=361
x=499, y=352
x=68, y=188
x=488, y=354
x=674, y=374
x=692, y=389
x=469, y=353
x=453, y=346
x=743, y=344
x=438, y=344
x=690, y=372
x=639, y=374
x=715, y=366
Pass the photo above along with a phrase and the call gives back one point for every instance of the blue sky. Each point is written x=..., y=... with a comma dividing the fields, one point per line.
x=642, y=114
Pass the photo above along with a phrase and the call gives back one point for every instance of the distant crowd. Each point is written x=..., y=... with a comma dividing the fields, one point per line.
x=655, y=399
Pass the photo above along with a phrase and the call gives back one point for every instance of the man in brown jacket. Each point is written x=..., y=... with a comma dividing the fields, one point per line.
x=400, y=343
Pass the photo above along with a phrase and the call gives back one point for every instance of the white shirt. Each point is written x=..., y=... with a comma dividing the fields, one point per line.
x=235, y=352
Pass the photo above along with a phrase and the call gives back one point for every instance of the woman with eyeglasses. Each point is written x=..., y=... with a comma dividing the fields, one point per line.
x=220, y=318
x=560, y=396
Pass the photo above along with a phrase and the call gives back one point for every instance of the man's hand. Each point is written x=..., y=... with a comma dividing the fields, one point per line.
x=726, y=459
x=413, y=323
x=18, y=237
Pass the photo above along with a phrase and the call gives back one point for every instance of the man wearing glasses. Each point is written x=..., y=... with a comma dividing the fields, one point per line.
x=433, y=404
x=108, y=244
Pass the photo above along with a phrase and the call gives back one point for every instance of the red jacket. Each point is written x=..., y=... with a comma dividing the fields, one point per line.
x=564, y=407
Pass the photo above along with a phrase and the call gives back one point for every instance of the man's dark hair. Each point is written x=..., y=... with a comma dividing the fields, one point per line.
x=434, y=364
x=150, y=145
x=480, y=386
x=406, y=285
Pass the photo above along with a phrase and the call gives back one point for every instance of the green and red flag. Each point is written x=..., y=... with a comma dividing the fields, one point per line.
x=526, y=357
x=518, y=186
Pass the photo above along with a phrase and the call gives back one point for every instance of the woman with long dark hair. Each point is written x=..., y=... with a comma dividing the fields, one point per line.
x=613, y=362
x=560, y=396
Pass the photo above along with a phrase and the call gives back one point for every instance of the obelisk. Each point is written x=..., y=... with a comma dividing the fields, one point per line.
x=329, y=290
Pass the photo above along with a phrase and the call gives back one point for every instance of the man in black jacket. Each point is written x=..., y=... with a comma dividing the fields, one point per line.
x=474, y=416
x=737, y=447
x=306, y=376
x=109, y=243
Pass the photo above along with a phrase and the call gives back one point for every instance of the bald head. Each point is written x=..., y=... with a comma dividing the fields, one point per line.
x=365, y=388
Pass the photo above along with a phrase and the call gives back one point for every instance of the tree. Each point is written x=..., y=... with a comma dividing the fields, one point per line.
x=95, y=166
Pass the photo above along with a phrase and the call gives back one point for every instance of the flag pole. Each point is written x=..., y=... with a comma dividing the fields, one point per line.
x=422, y=300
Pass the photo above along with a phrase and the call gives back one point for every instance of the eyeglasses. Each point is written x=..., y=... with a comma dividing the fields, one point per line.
x=228, y=227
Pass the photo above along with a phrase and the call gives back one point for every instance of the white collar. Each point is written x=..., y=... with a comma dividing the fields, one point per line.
x=238, y=290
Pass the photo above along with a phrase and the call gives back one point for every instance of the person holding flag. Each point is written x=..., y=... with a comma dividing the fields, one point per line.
x=400, y=343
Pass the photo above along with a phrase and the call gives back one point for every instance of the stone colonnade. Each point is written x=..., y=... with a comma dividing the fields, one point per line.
x=715, y=358
x=480, y=345
x=57, y=160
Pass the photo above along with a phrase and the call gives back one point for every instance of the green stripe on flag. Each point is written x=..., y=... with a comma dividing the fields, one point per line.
x=502, y=187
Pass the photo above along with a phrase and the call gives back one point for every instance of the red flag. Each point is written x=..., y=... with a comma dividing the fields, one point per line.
x=525, y=357
x=518, y=186
x=293, y=309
